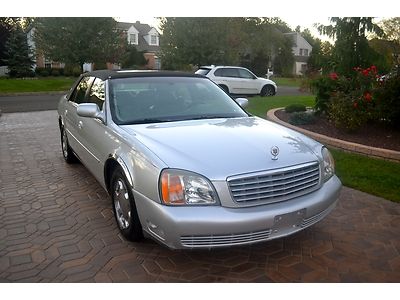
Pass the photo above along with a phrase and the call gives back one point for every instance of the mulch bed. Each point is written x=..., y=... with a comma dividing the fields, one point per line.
x=374, y=135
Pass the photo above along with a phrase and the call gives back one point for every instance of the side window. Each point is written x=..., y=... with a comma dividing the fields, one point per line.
x=97, y=93
x=78, y=96
x=245, y=74
x=231, y=72
x=219, y=73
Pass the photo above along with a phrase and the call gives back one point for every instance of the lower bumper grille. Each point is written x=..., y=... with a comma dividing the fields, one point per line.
x=225, y=240
x=211, y=241
x=316, y=218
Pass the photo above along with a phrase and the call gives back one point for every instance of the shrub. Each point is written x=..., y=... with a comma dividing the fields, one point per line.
x=302, y=118
x=295, y=108
x=349, y=102
x=388, y=101
x=71, y=70
x=347, y=112
x=55, y=72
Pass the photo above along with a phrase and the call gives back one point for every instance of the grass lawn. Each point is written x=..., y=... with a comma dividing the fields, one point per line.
x=283, y=81
x=48, y=84
x=374, y=176
x=260, y=105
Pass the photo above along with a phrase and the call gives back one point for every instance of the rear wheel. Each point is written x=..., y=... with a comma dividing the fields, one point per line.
x=124, y=207
x=267, y=90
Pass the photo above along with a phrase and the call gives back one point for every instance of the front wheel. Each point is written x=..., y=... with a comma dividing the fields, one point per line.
x=267, y=90
x=124, y=208
x=67, y=152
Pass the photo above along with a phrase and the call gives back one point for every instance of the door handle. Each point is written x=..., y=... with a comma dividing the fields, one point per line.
x=80, y=124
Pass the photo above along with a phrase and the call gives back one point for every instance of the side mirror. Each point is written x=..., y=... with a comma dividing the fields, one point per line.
x=243, y=102
x=90, y=110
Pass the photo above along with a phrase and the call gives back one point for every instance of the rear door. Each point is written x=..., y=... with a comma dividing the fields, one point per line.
x=229, y=77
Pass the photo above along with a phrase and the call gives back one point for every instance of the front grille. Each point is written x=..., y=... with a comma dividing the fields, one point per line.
x=275, y=185
x=225, y=240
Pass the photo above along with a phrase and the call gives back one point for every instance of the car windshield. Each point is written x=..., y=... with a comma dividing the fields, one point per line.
x=139, y=100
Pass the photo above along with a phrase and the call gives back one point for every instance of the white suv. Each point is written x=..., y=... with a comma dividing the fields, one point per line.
x=238, y=80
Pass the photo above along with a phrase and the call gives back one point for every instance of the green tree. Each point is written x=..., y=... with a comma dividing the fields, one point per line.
x=132, y=58
x=266, y=46
x=7, y=25
x=391, y=28
x=17, y=50
x=77, y=41
x=199, y=41
x=250, y=42
x=351, y=47
x=284, y=60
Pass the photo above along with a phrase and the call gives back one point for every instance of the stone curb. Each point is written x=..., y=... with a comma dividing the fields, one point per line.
x=33, y=93
x=336, y=143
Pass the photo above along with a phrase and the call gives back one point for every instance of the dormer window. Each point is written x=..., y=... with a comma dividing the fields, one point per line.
x=153, y=39
x=303, y=52
x=133, y=38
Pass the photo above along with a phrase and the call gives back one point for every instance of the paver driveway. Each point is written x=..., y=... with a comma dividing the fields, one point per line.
x=56, y=225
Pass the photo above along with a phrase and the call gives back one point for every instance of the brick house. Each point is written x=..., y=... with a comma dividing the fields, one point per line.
x=145, y=38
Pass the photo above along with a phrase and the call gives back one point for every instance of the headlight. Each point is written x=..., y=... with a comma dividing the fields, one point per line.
x=178, y=187
x=328, y=164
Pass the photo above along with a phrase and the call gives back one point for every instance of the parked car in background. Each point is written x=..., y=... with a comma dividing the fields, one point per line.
x=186, y=164
x=238, y=80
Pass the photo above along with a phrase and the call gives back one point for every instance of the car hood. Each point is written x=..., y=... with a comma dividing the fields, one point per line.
x=219, y=148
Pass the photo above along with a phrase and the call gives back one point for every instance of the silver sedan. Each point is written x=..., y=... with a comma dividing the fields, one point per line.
x=186, y=165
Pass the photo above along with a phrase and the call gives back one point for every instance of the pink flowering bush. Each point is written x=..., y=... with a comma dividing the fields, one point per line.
x=349, y=102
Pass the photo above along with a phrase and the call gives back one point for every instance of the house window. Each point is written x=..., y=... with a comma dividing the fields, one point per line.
x=133, y=38
x=303, y=52
x=153, y=39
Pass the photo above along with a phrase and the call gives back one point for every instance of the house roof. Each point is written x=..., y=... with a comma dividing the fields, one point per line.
x=144, y=30
x=293, y=36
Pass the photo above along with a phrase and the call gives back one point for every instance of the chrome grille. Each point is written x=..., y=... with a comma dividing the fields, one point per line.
x=275, y=185
x=225, y=240
x=316, y=218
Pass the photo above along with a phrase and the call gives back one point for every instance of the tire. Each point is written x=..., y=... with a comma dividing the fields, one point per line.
x=225, y=88
x=124, y=207
x=267, y=90
x=66, y=150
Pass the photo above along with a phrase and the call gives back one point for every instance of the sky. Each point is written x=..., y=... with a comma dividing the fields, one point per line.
x=294, y=12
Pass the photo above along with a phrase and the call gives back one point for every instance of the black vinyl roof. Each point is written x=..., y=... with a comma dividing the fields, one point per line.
x=108, y=74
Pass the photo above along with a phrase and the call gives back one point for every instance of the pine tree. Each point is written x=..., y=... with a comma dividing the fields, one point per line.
x=19, y=54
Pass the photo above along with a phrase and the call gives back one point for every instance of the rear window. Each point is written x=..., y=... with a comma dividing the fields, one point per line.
x=203, y=71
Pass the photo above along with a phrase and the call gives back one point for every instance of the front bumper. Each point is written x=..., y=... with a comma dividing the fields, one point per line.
x=217, y=226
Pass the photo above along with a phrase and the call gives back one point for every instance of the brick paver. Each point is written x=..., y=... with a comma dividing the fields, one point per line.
x=57, y=225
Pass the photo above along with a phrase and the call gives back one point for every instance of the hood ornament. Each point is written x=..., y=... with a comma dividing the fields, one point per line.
x=274, y=152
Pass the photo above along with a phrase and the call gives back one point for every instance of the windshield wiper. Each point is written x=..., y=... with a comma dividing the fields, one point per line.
x=145, y=121
x=209, y=117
